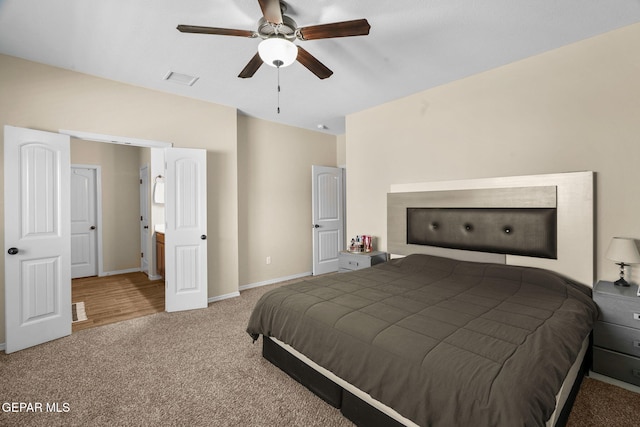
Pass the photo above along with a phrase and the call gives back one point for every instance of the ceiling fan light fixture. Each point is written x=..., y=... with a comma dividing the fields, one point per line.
x=277, y=52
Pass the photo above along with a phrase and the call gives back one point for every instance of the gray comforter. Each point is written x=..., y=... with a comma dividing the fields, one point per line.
x=443, y=342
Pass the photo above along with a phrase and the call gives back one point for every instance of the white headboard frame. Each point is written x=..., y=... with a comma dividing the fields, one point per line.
x=575, y=221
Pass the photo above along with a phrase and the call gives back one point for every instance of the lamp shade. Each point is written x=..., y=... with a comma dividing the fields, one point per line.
x=277, y=49
x=623, y=250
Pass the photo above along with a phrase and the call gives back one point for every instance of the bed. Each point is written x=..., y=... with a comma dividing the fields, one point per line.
x=433, y=340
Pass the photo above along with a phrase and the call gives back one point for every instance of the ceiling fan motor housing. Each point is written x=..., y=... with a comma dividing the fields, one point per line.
x=287, y=29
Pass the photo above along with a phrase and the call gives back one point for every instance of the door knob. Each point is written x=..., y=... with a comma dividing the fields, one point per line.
x=93, y=227
x=316, y=226
x=203, y=237
x=13, y=251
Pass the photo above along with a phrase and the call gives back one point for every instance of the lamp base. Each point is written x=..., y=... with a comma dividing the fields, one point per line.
x=621, y=282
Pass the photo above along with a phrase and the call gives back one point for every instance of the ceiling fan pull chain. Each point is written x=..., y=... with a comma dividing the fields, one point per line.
x=278, y=63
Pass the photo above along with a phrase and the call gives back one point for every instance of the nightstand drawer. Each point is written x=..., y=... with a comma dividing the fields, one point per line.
x=618, y=338
x=616, y=365
x=353, y=262
x=350, y=261
x=620, y=311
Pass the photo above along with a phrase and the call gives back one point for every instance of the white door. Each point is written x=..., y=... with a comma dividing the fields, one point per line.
x=84, y=221
x=37, y=237
x=328, y=217
x=186, y=229
x=144, y=219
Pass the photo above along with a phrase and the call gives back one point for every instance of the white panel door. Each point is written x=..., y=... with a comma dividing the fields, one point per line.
x=84, y=247
x=37, y=237
x=328, y=218
x=186, y=229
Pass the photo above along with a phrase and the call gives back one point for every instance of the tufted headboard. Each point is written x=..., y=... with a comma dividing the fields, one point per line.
x=541, y=220
x=519, y=231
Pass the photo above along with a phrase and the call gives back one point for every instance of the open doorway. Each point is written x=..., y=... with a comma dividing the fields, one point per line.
x=46, y=248
x=112, y=239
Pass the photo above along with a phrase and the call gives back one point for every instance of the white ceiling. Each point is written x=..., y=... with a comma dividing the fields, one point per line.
x=413, y=45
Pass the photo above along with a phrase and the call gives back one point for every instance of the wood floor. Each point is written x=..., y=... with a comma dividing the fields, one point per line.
x=111, y=299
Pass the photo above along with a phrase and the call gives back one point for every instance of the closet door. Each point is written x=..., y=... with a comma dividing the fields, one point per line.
x=327, y=208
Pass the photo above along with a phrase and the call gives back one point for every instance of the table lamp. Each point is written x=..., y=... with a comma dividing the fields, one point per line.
x=624, y=252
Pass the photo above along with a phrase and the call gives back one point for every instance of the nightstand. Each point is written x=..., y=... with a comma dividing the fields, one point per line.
x=616, y=333
x=349, y=261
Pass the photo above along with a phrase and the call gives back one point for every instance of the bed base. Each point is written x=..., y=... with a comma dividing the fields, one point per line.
x=352, y=407
x=566, y=409
x=320, y=385
x=584, y=371
x=357, y=410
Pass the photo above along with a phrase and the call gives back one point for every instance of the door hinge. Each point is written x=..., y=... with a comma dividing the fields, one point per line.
x=140, y=180
x=141, y=254
x=141, y=219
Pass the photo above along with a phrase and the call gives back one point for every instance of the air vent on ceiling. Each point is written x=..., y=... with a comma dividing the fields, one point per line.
x=183, y=79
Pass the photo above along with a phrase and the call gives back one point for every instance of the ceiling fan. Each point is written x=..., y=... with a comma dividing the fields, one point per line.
x=278, y=31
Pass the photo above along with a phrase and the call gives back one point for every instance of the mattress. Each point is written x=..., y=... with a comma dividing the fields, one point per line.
x=442, y=342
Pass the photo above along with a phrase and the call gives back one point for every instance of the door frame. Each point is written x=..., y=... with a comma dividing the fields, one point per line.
x=154, y=145
x=145, y=200
x=98, y=192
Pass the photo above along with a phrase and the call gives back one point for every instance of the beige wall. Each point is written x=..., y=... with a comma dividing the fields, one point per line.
x=341, y=150
x=120, y=171
x=46, y=98
x=571, y=109
x=274, y=184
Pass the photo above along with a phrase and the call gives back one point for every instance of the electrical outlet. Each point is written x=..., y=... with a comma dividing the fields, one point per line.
x=268, y=261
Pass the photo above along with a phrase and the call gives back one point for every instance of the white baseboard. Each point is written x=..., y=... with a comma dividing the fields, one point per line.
x=113, y=273
x=3, y=346
x=154, y=276
x=258, y=284
x=272, y=281
x=223, y=297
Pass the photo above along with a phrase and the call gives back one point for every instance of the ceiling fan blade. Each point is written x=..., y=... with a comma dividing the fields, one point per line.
x=250, y=69
x=357, y=27
x=312, y=64
x=213, y=30
x=271, y=11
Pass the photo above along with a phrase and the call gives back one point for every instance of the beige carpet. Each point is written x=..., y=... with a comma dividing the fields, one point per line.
x=196, y=368
x=600, y=404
